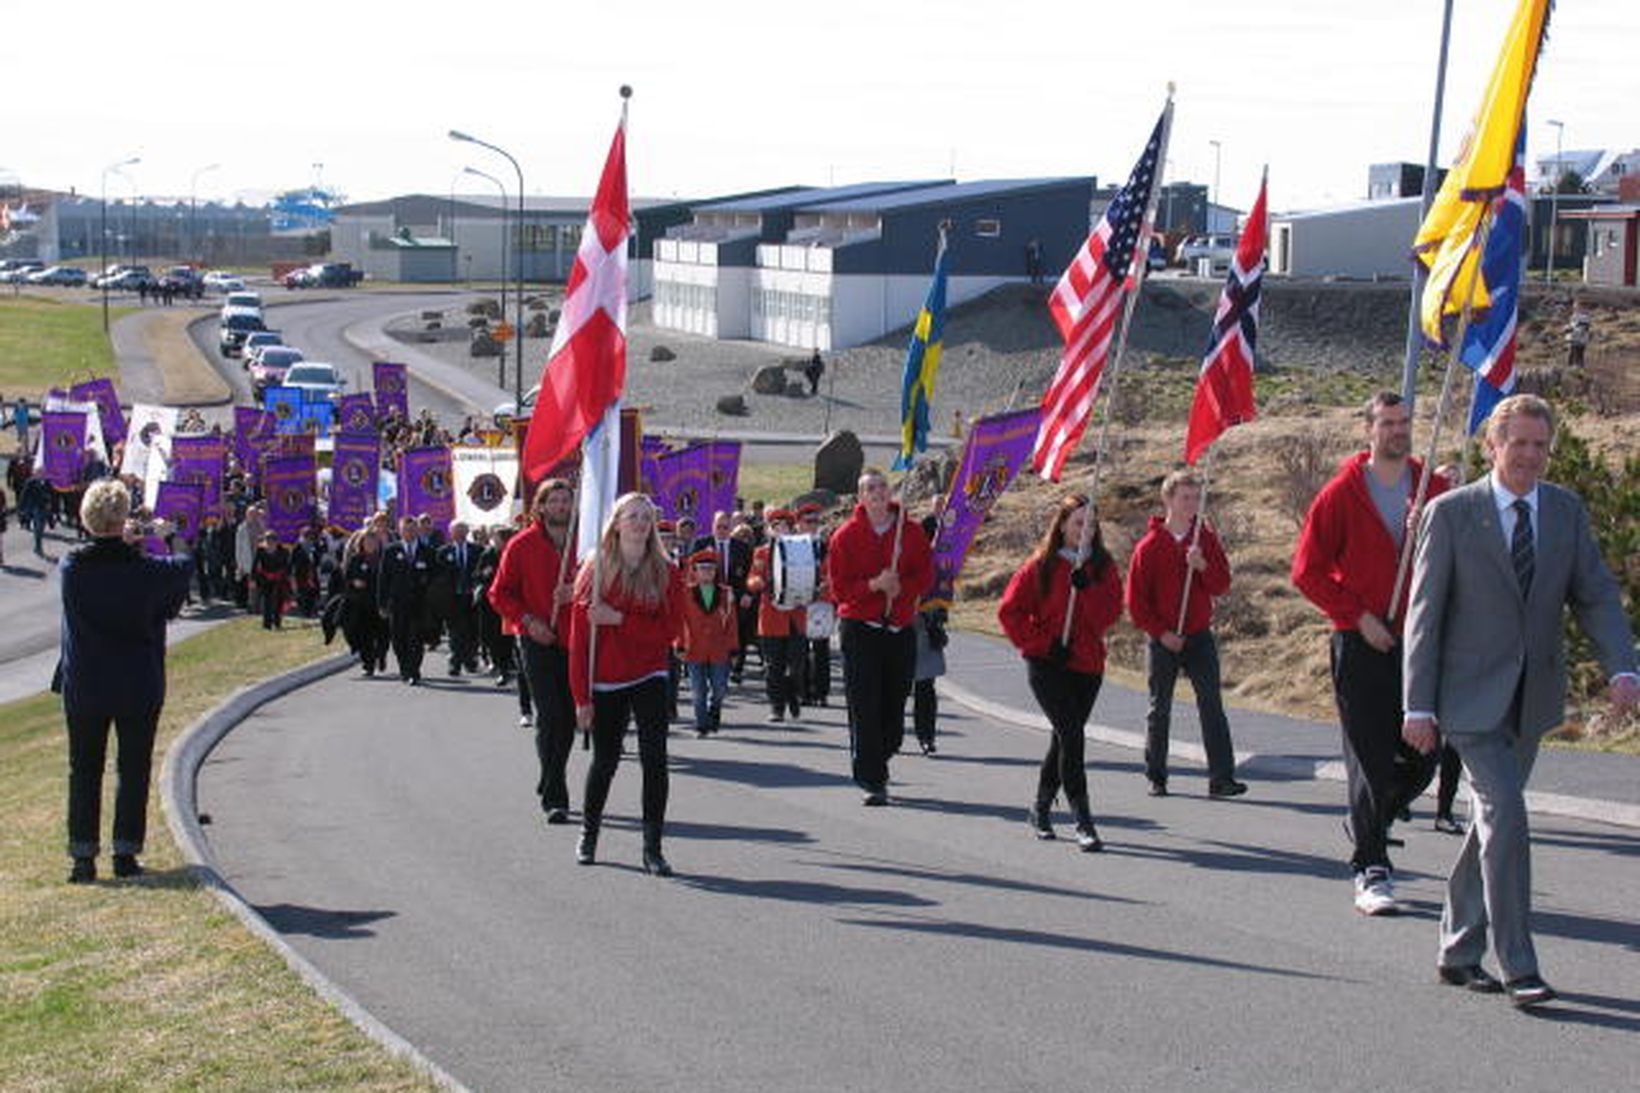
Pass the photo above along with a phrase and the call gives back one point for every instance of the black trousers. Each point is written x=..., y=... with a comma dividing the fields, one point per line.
x=783, y=670
x=87, y=756
x=925, y=710
x=645, y=703
x=817, y=680
x=877, y=670
x=462, y=624
x=546, y=667
x=1446, y=791
x=1383, y=772
x=1066, y=697
x=407, y=625
x=1199, y=659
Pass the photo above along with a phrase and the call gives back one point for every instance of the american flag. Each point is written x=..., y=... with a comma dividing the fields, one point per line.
x=1086, y=302
x=1224, y=391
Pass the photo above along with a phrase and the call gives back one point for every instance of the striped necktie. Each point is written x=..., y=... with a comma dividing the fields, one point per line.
x=1521, y=550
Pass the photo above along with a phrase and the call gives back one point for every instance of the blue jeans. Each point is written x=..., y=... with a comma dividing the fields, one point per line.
x=708, y=682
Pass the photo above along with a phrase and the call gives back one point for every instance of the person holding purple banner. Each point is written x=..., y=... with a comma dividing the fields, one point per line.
x=111, y=672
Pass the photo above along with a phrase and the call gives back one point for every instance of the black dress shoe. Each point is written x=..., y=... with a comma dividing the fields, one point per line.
x=1158, y=788
x=1229, y=787
x=1471, y=977
x=84, y=871
x=1529, y=990
x=127, y=865
x=557, y=816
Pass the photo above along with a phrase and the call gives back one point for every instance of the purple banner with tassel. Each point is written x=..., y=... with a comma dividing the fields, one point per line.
x=181, y=503
x=201, y=459
x=101, y=391
x=354, y=473
x=289, y=484
x=62, y=447
x=425, y=484
x=996, y=449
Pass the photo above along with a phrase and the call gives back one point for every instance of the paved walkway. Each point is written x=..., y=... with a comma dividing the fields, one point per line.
x=985, y=673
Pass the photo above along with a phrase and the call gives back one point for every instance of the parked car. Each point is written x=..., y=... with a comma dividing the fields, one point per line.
x=324, y=275
x=509, y=409
x=130, y=279
x=236, y=325
x=270, y=367
x=64, y=276
x=315, y=378
x=222, y=281
x=20, y=272
x=1220, y=248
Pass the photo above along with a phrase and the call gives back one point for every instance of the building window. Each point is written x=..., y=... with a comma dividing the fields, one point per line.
x=988, y=229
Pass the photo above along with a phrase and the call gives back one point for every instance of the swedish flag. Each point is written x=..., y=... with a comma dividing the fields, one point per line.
x=922, y=365
x=1446, y=240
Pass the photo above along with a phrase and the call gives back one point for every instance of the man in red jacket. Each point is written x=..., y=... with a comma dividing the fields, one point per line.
x=878, y=565
x=1346, y=564
x=533, y=585
x=1180, y=546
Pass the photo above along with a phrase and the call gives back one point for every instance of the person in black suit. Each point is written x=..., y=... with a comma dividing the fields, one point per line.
x=407, y=569
x=459, y=561
x=734, y=567
x=116, y=602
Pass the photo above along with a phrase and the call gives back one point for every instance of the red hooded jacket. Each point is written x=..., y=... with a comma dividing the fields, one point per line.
x=1155, y=583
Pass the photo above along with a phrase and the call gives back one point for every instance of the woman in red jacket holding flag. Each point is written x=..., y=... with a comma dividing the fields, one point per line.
x=621, y=627
x=1065, y=672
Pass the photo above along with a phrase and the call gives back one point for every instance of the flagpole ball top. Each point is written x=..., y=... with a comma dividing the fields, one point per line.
x=626, y=91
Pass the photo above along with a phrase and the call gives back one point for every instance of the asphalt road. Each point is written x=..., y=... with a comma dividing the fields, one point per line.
x=811, y=944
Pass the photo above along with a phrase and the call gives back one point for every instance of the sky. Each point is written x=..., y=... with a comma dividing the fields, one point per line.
x=228, y=101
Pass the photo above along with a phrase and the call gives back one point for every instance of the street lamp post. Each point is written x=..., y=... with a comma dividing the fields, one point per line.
x=111, y=168
x=1218, y=150
x=518, y=260
x=193, y=211
x=501, y=365
x=1554, y=198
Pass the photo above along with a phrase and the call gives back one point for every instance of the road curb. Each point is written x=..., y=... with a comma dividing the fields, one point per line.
x=179, y=794
x=1283, y=766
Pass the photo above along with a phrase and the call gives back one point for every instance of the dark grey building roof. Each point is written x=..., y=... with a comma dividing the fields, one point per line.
x=946, y=193
x=808, y=197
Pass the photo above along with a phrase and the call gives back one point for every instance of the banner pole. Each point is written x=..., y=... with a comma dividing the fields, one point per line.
x=1195, y=539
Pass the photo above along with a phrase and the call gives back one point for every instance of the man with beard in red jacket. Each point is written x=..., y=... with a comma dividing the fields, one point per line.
x=1178, y=548
x=1346, y=565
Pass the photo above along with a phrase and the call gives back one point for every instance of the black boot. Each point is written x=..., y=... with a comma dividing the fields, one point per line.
x=84, y=871
x=127, y=866
x=1037, y=816
x=653, y=862
x=586, y=848
x=1087, y=836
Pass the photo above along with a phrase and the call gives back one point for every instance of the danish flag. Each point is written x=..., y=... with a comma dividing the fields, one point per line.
x=1086, y=302
x=1224, y=391
x=586, y=369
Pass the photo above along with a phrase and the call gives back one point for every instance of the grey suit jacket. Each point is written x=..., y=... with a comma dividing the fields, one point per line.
x=1470, y=635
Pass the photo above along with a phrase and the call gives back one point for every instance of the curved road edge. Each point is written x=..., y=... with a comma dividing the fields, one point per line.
x=178, y=789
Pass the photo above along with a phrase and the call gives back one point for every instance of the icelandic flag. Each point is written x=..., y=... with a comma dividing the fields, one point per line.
x=1489, y=344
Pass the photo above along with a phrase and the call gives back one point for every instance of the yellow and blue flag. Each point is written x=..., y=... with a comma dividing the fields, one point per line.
x=922, y=365
x=1446, y=243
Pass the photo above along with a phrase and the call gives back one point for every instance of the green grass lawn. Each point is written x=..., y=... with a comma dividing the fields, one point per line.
x=47, y=343
x=152, y=984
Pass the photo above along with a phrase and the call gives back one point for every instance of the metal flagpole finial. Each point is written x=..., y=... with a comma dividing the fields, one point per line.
x=626, y=91
x=1171, y=89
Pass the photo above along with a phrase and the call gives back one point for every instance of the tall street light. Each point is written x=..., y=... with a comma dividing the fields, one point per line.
x=501, y=380
x=518, y=260
x=1554, y=197
x=193, y=209
x=112, y=168
x=1218, y=150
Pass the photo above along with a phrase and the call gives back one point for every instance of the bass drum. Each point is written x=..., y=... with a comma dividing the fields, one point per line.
x=821, y=621
x=794, y=563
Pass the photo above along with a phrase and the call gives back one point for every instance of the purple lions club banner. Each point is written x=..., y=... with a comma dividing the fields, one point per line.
x=101, y=391
x=253, y=434
x=997, y=447
x=181, y=503
x=391, y=389
x=722, y=478
x=698, y=481
x=290, y=486
x=201, y=459
x=354, y=473
x=62, y=447
x=356, y=413
x=651, y=448
x=425, y=484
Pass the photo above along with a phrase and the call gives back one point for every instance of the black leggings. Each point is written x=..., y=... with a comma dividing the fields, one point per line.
x=1067, y=698
x=645, y=703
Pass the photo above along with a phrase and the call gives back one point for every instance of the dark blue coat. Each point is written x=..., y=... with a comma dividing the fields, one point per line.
x=116, y=602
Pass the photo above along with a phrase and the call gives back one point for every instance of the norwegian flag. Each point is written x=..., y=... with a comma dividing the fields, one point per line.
x=1224, y=392
x=586, y=369
x=1489, y=345
x=1085, y=304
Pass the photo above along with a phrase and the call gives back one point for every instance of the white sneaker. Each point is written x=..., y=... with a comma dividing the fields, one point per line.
x=1375, y=892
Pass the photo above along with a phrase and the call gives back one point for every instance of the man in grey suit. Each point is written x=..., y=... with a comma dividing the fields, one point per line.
x=1498, y=561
